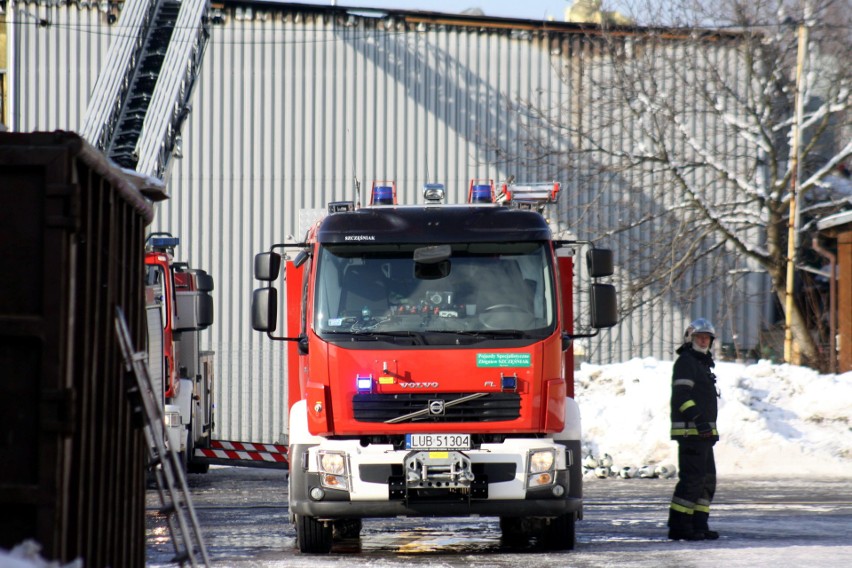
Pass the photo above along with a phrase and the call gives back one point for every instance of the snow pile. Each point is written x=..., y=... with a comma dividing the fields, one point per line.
x=28, y=555
x=773, y=419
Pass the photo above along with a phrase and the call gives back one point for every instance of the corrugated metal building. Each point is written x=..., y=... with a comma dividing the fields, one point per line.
x=295, y=102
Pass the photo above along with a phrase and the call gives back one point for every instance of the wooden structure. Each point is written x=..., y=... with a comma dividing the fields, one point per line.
x=838, y=227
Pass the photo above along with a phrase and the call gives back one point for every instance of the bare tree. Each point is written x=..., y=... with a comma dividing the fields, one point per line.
x=698, y=122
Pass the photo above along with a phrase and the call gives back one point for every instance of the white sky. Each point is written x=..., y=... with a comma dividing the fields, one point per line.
x=526, y=9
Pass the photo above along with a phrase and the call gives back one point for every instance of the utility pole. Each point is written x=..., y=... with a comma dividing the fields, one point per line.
x=793, y=224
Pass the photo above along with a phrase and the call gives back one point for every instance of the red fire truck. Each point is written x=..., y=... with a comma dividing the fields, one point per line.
x=431, y=363
x=178, y=307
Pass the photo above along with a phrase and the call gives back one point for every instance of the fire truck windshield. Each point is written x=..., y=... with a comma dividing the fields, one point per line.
x=480, y=289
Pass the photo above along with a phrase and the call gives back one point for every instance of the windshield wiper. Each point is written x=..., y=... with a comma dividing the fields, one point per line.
x=486, y=334
x=368, y=335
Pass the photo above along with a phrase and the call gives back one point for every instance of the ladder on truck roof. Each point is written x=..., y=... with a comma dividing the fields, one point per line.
x=141, y=97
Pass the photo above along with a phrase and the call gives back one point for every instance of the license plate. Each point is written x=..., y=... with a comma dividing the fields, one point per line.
x=437, y=441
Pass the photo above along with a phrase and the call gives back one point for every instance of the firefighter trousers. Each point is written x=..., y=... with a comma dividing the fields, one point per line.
x=690, y=506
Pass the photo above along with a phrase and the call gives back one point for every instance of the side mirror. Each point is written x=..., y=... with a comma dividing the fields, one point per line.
x=264, y=309
x=267, y=266
x=300, y=258
x=600, y=262
x=604, y=305
x=567, y=341
x=205, y=310
x=203, y=281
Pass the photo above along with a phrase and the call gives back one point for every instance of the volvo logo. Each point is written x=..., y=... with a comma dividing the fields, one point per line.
x=431, y=385
x=436, y=407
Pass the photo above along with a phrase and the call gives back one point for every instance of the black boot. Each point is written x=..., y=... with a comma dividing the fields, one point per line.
x=700, y=524
x=680, y=527
x=678, y=534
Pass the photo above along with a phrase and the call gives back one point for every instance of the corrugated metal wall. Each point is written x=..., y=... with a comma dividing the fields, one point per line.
x=292, y=106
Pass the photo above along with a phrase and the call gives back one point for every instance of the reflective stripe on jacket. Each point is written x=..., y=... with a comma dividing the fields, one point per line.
x=683, y=429
x=694, y=398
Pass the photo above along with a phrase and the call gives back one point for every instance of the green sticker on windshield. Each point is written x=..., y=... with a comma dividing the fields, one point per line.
x=503, y=360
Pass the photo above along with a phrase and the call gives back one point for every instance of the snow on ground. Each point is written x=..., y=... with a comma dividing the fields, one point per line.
x=28, y=555
x=773, y=419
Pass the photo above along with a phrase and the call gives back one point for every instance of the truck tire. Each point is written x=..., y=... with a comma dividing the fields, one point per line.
x=312, y=535
x=191, y=465
x=512, y=532
x=560, y=533
x=183, y=456
x=189, y=460
x=194, y=467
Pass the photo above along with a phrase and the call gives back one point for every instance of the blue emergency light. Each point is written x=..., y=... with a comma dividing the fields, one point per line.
x=509, y=383
x=164, y=242
x=481, y=191
x=481, y=194
x=382, y=195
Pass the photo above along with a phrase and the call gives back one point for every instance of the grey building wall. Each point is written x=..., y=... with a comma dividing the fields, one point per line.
x=295, y=103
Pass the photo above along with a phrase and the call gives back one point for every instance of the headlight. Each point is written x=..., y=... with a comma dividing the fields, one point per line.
x=172, y=419
x=333, y=471
x=333, y=463
x=542, y=460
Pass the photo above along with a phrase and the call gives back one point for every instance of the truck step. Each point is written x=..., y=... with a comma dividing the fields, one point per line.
x=244, y=454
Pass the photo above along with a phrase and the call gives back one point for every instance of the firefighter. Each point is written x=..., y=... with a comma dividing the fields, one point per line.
x=693, y=413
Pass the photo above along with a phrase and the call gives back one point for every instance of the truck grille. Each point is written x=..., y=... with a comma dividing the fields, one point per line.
x=491, y=407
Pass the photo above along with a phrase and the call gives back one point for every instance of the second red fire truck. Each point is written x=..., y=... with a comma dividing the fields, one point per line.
x=178, y=307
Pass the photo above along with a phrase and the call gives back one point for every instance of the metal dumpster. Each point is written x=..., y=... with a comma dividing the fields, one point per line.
x=72, y=455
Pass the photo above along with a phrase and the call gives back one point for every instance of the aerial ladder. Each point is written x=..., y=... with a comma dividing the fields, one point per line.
x=137, y=108
x=135, y=115
x=142, y=94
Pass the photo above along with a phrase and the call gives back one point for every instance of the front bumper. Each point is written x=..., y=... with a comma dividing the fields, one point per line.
x=377, y=485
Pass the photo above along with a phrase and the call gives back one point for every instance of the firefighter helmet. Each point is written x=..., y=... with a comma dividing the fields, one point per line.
x=701, y=325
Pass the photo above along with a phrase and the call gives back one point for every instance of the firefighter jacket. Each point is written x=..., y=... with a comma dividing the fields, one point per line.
x=693, y=394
